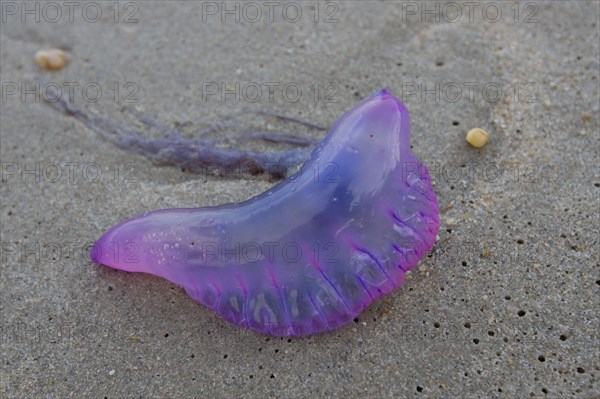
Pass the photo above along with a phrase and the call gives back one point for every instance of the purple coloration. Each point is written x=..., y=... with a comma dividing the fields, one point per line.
x=201, y=154
x=313, y=252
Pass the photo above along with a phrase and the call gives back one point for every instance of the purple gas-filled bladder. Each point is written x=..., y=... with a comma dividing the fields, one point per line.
x=313, y=252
